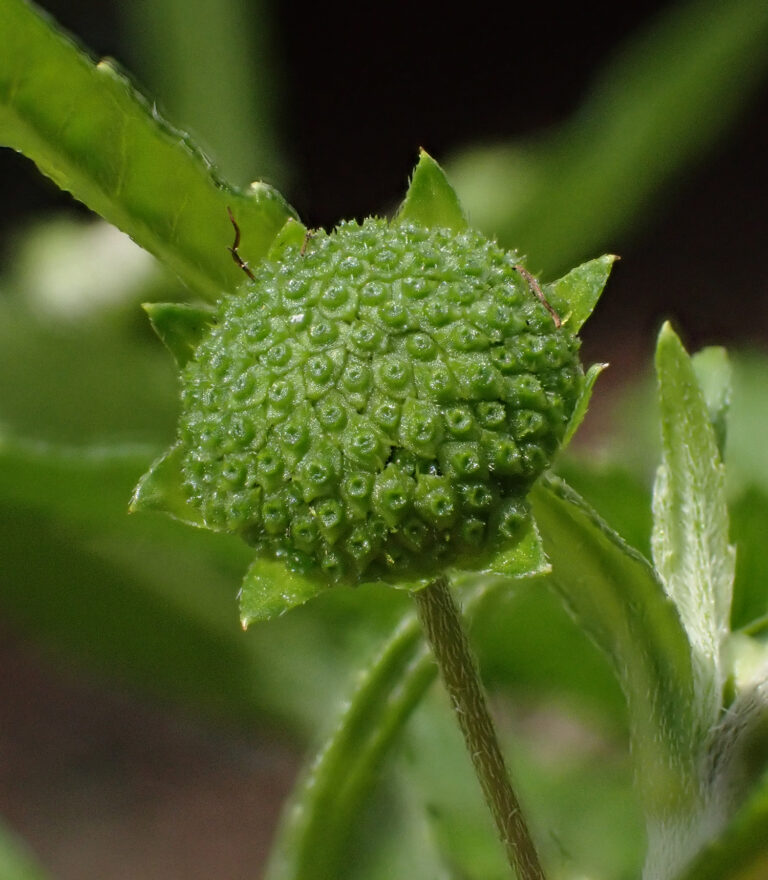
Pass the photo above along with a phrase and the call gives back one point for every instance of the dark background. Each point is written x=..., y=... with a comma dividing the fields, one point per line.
x=361, y=88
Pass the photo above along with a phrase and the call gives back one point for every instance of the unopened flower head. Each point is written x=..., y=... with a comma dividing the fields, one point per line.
x=377, y=402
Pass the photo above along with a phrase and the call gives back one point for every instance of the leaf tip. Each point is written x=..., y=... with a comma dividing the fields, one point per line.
x=180, y=327
x=430, y=199
x=293, y=233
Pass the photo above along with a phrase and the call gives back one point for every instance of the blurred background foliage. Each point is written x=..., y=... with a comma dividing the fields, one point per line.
x=642, y=133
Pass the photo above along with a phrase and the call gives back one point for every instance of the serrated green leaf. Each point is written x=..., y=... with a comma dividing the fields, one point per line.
x=614, y=594
x=576, y=294
x=582, y=404
x=714, y=374
x=269, y=590
x=180, y=326
x=86, y=128
x=690, y=535
x=162, y=489
x=293, y=234
x=431, y=200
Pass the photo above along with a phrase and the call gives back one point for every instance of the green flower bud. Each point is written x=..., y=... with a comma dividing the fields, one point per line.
x=371, y=345
x=375, y=403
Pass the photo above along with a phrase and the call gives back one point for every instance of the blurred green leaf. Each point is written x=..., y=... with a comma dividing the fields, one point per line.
x=748, y=423
x=741, y=851
x=226, y=97
x=16, y=863
x=89, y=383
x=86, y=127
x=313, y=837
x=315, y=832
x=749, y=526
x=114, y=589
x=431, y=200
x=574, y=783
x=690, y=534
x=618, y=495
x=656, y=108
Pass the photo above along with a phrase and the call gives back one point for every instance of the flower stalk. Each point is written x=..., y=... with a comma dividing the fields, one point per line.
x=441, y=621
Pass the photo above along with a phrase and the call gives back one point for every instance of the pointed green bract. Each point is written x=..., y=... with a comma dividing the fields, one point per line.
x=714, y=374
x=582, y=404
x=270, y=589
x=85, y=127
x=293, y=234
x=431, y=200
x=525, y=558
x=690, y=535
x=179, y=326
x=575, y=295
x=161, y=489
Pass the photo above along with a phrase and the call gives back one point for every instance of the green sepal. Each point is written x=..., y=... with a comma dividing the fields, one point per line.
x=179, y=326
x=714, y=374
x=523, y=558
x=162, y=489
x=270, y=589
x=431, y=200
x=582, y=404
x=575, y=295
x=293, y=234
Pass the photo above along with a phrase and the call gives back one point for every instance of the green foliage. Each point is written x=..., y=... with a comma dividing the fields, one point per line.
x=690, y=534
x=143, y=176
x=15, y=862
x=655, y=108
x=87, y=405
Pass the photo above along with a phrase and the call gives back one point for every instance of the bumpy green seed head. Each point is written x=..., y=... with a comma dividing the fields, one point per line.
x=376, y=403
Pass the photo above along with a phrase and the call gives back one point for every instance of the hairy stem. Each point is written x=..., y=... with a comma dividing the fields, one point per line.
x=441, y=620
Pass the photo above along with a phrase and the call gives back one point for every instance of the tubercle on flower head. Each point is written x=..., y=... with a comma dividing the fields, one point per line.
x=374, y=406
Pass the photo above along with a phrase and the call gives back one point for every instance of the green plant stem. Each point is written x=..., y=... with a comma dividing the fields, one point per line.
x=441, y=620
